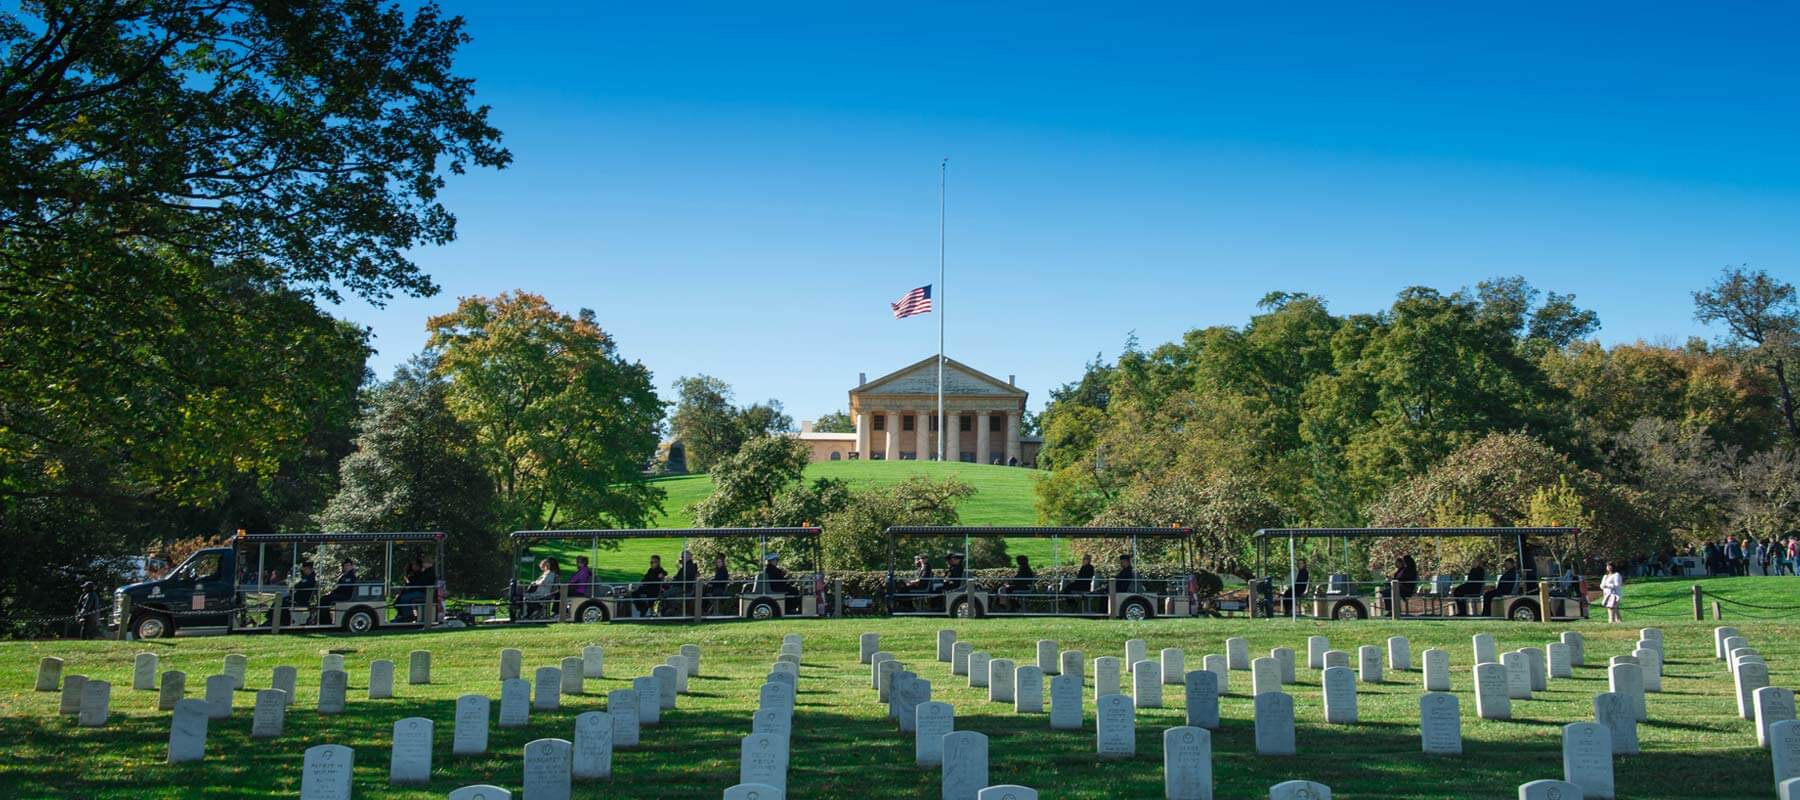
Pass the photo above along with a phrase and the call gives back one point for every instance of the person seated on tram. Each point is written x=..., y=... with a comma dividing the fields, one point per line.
x=922, y=577
x=1470, y=587
x=1505, y=586
x=305, y=591
x=342, y=591
x=1022, y=582
x=719, y=587
x=650, y=586
x=412, y=592
x=775, y=582
x=1567, y=584
x=581, y=581
x=1084, y=577
x=1302, y=579
x=681, y=586
x=953, y=574
x=1125, y=580
x=541, y=593
x=1405, y=575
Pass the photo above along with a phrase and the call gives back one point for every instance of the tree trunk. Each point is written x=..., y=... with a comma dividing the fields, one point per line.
x=1787, y=399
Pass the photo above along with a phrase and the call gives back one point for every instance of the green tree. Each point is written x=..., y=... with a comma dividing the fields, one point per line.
x=416, y=469
x=1761, y=316
x=1223, y=512
x=835, y=422
x=563, y=423
x=855, y=537
x=705, y=422
x=746, y=484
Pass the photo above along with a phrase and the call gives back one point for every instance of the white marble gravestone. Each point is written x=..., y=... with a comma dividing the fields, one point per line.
x=1368, y=664
x=1336, y=658
x=511, y=661
x=1028, y=690
x=1274, y=724
x=325, y=771
x=772, y=721
x=622, y=705
x=1115, y=726
x=875, y=660
x=1437, y=670
x=867, y=645
x=1440, y=724
x=1588, y=759
x=470, y=734
x=1106, y=676
x=1007, y=791
x=569, y=672
x=284, y=678
x=946, y=641
x=546, y=690
x=187, y=731
x=1651, y=662
x=1200, y=689
x=1491, y=699
x=649, y=714
x=480, y=791
x=1486, y=651
x=332, y=661
x=1751, y=675
x=591, y=751
x=911, y=694
x=1237, y=653
x=1315, y=651
x=1000, y=680
x=680, y=663
x=269, y=716
x=1299, y=790
x=884, y=677
x=1285, y=657
x=1615, y=712
x=1340, y=695
x=1215, y=664
x=1065, y=703
x=898, y=678
x=172, y=690
x=409, y=760
x=959, y=657
x=1720, y=634
x=1047, y=659
x=1172, y=665
x=1265, y=676
x=1074, y=662
x=1773, y=704
x=548, y=773
x=219, y=695
x=932, y=721
x=96, y=704
x=1399, y=653
x=1146, y=684
x=418, y=668
x=593, y=662
x=334, y=684
x=978, y=669
x=236, y=665
x=69, y=704
x=381, y=679
x=1536, y=669
x=1784, y=750
x=1560, y=665
x=965, y=770
x=49, y=674
x=515, y=703
x=1187, y=763
x=1135, y=650
x=753, y=791
x=1577, y=648
x=778, y=696
x=1628, y=680
x=143, y=672
x=1549, y=790
x=1518, y=675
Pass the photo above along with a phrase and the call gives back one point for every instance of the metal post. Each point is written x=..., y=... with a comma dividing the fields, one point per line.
x=1697, y=610
x=1293, y=575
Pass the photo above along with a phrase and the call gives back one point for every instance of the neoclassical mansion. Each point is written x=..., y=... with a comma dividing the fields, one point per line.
x=896, y=418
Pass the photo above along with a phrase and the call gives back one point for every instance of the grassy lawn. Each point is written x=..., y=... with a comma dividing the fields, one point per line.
x=1003, y=496
x=1694, y=746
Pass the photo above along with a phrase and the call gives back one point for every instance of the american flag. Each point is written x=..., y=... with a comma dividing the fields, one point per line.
x=917, y=301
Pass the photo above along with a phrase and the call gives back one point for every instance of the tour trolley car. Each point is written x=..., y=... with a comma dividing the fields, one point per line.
x=674, y=599
x=1102, y=596
x=1539, y=589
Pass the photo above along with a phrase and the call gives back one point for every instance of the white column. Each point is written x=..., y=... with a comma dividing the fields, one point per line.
x=892, y=423
x=862, y=434
x=1012, y=437
x=981, y=438
x=922, y=427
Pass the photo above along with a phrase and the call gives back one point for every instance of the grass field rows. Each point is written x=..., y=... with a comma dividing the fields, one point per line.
x=842, y=743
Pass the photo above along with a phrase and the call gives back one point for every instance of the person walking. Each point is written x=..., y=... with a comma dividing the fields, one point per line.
x=1612, y=591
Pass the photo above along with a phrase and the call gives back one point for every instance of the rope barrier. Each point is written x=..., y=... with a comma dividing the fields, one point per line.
x=1729, y=601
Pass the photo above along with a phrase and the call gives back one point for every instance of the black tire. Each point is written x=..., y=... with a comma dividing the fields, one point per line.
x=1136, y=609
x=1349, y=609
x=965, y=608
x=591, y=611
x=359, y=620
x=764, y=609
x=152, y=626
x=1524, y=611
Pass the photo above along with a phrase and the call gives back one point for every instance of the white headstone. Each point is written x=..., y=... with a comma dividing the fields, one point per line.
x=325, y=771
x=269, y=716
x=978, y=670
x=965, y=771
x=49, y=674
x=96, y=704
x=1340, y=695
x=1652, y=662
x=592, y=749
x=946, y=639
x=1788, y=789
x=1587, y=759
x=511, y=660
x=874, y=667
x=1047, y=657
x=1106, y=676
x=570, y=672
x=334, y=684
x=753, y=791
x=1486, y=651
x=1028, y=690
x=593, y=662
x=1274, y=724
x=778, y=696
x=1560, y=664
x=1065, y=703
x=1536, y=669
x=470, y=734
x=622, y=706
x=1146, y=684
x=1007, y=791
x=1299, y=790
x=381, y=679
x=515, y=703
x=1614, y=711
x=1115, y=726
x=1628, y=680
x=1215, y=664
x=1172, y=665
x=1315, y=651
x=649, y=714
x=932, y=721
x=959, y=657
x=172, y=690
x=548, y=769
x=236, y=665
x=1491, y=699
x=284, y=678
x=69, y=704
x=1577, y=647
x=1549, y=790
x=680, y=663
x=1399, y=652
x=1751, y=675
x=1135, y=651
x=910, y=694
x=1368, y=663
x=1773, y=704
x=418, y=667
x=143, y=672
x=546, y=690
x=480, y=791
x=1784, y=750
x=1201, y=690
x=332, y=661
x=219, y=695
x=884, y=677
x=1720, y=634
x=1000, y=680
x=1265, y=676
x=1437, y=670
x=187, y=731
x=1074, y=662
x=409, y=761
x=1518, y=675
x=1336, y=658
x=1440, y=723
x=1187, y=764
x=772, y=721
x=867, y=645
x=1237, y=653
x=1285, y=657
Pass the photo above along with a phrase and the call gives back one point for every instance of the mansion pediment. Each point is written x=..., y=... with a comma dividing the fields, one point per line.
x=922, y=379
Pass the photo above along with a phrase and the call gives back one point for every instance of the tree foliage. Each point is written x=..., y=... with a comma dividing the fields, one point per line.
x=835, y=422
x=1761, y=315
x=1223, y=511
x=855, y=537
x=712, y=429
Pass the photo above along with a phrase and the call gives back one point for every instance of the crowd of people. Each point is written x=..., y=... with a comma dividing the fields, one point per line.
x=657, y=592
x=1012, y=592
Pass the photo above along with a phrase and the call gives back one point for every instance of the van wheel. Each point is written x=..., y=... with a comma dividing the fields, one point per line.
x=1135, y=610
x=1349, y=609
x=591, y=612
x=360, y=620
x=764, y=609
x=964, y=608
x=1524, y=611
x=151, y=626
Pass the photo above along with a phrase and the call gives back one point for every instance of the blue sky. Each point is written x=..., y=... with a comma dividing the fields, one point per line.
x=741, y=193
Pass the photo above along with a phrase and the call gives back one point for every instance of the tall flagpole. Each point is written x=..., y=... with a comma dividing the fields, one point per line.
x=943, y=424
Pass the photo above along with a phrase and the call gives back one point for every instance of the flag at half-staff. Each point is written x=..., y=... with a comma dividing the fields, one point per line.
x=917, y=301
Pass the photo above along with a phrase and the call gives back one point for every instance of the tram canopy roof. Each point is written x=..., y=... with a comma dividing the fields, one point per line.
x=1302, y=533
x=327, y=538
x=1035, y=532
x=665, y=533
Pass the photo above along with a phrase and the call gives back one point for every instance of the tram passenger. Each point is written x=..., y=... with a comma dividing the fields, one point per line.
x=1126, y=578
x=719, y=588
x=1302, y=580
x=953, y=574
x=542, y=592
x=650, y=586
x=1506, y=585
x=681, y=587
x=1471, y=587
x=581, y=581
x=1022, y=582
x=776, y=582
x=304, y=592
x=1084, y=577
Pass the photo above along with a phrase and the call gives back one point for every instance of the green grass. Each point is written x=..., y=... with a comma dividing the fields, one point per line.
x=1694, y=746
x=1003, y=496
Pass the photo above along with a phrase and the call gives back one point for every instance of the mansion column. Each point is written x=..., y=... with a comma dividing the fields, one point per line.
x=862, y=434
x=892, y=423
x=982, y=421
x=1012, y=437
x=922, y=426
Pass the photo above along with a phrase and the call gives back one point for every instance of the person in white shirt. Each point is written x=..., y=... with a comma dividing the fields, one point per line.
x=544, y=588
x=1612, y=590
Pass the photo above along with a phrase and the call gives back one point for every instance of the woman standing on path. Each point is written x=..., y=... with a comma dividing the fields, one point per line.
x=1612, y=590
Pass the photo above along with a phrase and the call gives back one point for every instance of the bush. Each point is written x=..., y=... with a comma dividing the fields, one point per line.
x=1223, y=511
x=855, y=537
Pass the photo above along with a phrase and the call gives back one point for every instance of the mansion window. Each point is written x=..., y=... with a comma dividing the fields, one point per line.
x=994, y=424
x=880, y=422
x=967, y=423
x=906, y=423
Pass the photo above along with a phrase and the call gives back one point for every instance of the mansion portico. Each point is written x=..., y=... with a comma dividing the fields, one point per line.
x=896, y=418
